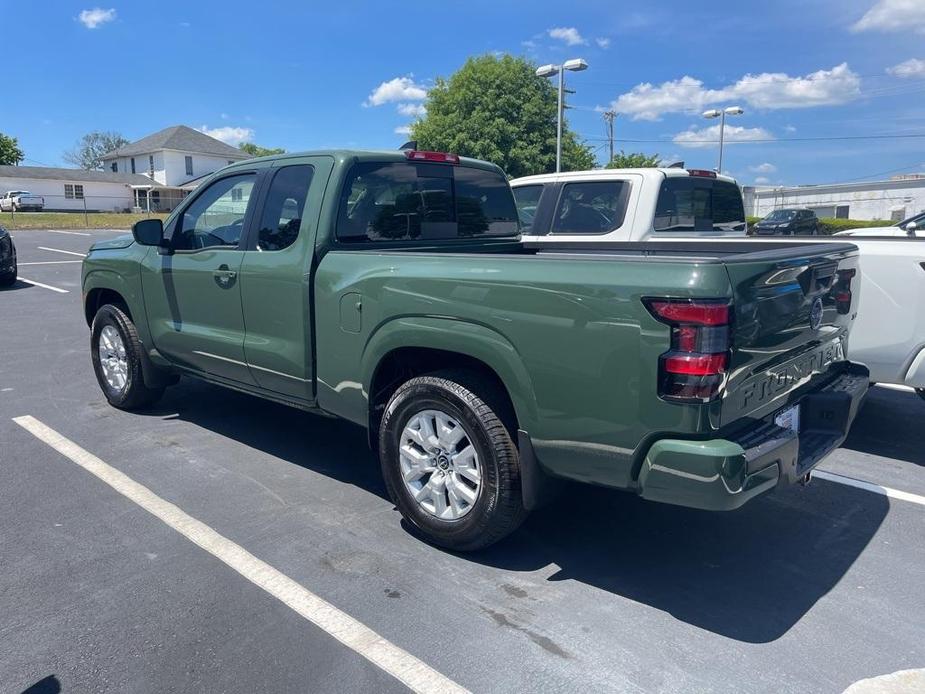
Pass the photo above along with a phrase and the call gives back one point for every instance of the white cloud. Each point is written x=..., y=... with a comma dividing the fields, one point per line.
x=768, y=90
x=709, y=136
x=910, y=68
x=568, y=34
x=397, y=89
x=893, y=15
x=790, y=128
x=763, y=168
x=602, y=42
x=95, y=17
x=762, y=180
x=225, y=116
x=529, y=44
x=229, y=134
x=413, y=110
x=403, y=130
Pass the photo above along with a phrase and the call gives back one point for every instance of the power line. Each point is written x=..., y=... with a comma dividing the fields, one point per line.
x=772, y=139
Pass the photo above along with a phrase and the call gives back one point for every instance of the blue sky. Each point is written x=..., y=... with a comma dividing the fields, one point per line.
x=306, y=75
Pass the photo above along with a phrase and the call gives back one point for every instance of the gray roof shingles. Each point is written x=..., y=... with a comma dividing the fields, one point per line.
x=79, y=175
x=179, y=137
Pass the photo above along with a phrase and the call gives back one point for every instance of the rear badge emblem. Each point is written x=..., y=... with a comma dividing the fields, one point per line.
x=815, y=314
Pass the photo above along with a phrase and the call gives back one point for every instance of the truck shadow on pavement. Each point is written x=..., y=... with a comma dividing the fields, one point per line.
x=889, y=425
x=749, y=574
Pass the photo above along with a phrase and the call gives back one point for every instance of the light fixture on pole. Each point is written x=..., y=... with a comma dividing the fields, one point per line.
x=575, y=65
x=721, y=114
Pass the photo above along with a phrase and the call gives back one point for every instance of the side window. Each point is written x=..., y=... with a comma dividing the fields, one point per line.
x=527, y=199
x=284, y=208
x=216, y=216
x=593, y=207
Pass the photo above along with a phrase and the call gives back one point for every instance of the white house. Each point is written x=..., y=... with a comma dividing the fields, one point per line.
x=894, y=200
x=74, y=189
x=156, y=173
x=170, y=159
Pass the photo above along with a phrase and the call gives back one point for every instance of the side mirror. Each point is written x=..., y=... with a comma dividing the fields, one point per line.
x=149, y=232
x=911, y=227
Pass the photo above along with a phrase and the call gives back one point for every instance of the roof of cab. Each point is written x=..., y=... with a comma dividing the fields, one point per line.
x=364, y=155
x=604, y=174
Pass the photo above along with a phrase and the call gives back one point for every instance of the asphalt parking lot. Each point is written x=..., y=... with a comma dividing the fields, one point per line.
x=806, y=590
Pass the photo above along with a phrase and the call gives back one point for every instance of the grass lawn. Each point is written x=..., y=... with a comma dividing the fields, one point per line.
x=72, y=220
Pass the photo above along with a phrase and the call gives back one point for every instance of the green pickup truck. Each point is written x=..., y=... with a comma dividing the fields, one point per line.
x=391, y=289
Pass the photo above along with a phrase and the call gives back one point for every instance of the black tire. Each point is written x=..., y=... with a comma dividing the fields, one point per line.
x=473, y=401
x=134, y=394
x=8, y=279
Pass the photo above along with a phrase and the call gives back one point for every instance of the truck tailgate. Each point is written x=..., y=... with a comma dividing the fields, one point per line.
x=790, y=325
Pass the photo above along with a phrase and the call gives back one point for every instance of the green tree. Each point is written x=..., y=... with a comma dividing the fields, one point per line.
x=89, y=150
x=10, y=153
x=633, y=160
x=497, y=109
x=258, y=151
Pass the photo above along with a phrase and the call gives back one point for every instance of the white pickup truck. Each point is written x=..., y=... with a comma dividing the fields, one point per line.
x=602, y=206
x=21, y=200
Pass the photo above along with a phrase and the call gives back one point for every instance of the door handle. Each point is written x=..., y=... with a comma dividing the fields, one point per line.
x=224, y=276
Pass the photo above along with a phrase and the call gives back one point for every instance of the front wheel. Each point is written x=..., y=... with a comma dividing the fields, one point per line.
x=8, y=279
x=116, y=354
x=449, y=461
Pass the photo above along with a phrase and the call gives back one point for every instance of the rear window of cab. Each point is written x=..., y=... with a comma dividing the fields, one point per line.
x=699, y=204
x=424, y=201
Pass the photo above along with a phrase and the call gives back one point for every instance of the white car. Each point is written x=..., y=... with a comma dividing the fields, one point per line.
x=17, y=200
x=914, y=226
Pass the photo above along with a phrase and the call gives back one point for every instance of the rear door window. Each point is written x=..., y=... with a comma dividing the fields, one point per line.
x=699, y=204
x=423, y=201
x=284, y=207
x=593, y=207
x=527, y=199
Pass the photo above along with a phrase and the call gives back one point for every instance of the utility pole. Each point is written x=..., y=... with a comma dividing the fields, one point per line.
x=609, y=116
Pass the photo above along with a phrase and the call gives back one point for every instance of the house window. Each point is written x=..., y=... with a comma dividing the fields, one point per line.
x=237, y=194
x=73, y=191
x=115, y=167
x=189, y=166
x=78, y=191
x=151, y=165
x=68, y=191
x=133, y=164
x=841, y=212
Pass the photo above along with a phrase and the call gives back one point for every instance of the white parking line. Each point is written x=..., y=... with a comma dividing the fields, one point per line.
x=43, y=286
x=870, y=487
x=75, y=233
x=58, y=250
x=51, y=262
x=403, y=666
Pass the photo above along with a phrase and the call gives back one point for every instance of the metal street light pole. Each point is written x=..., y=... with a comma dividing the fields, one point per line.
x=721, y=114
x=575, y=65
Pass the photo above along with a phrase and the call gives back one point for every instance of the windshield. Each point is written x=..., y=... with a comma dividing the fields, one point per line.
x=780, y=216
x=699, y=204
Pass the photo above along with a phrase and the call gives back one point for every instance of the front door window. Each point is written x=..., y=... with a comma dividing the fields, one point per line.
x=216, y=216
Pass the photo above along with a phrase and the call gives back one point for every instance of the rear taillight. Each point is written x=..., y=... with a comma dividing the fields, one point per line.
x=439, y=157
x=694, y=369
x=841, y=292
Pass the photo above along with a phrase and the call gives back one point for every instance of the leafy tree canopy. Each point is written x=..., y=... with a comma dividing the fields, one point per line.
x=89, y=150
x=633, y=160
x=497, y=109
x=258, y=151
x=10, y=153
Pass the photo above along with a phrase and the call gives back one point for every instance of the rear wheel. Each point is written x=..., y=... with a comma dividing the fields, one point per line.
x=8, y=279
x=116, y=354
x=450, y=463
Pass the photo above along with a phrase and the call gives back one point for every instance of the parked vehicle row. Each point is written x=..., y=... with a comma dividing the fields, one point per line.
x=21, y=201
x=392, y=289
x=788, y=222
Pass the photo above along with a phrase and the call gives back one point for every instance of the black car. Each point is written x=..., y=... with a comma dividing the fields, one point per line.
x=7, y=259
x=788, y=223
